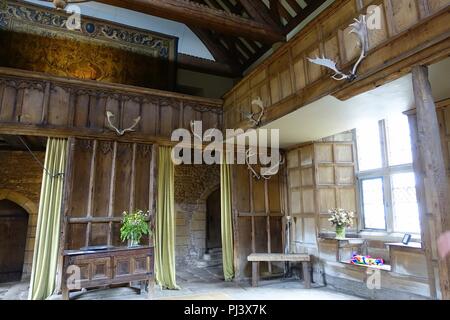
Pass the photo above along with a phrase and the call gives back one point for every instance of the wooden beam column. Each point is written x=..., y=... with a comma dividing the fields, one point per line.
x=433, y=167
x=195, y=14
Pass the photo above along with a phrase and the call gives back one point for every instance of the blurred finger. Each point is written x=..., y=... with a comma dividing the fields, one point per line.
x=444, y=245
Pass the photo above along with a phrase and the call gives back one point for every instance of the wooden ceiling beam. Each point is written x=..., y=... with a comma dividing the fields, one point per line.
x=192, y=63
x=233, y=9
x=284, y=13
x=294, y=5
x=306, y=12
x=216, y=49
x=195, y=14
x=258, y=11
x=256, y=56
x=274, y=12
x=237, y=56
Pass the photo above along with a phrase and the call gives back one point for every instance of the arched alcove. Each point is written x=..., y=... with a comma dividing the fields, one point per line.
x=32, y=209
x=213, y=223
x=13, y=237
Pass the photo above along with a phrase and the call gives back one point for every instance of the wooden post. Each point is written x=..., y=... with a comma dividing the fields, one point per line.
x=65, y=208
x=434, y=170
x=255, y=273
x=306, y=274
x=426, y=236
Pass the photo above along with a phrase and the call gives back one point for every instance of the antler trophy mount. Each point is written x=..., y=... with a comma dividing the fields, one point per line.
x=255, y=117
x=110, y=115
x=359, y=28
x=265, y=173
x=62, y=4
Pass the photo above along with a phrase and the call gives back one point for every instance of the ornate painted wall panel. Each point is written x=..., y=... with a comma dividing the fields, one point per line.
x=37, y=39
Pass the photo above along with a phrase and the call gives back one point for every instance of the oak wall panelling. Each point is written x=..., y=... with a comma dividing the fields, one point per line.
x=104, y=179
x=36, y=104
x=258, y=218
x=321, y=176
x=412, y=32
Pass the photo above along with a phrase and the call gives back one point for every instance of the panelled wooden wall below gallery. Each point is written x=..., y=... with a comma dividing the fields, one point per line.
x=258, y=214
x=104, y=179
x=44, y=105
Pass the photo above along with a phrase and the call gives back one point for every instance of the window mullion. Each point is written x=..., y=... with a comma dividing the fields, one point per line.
x=388, y=203
x=384, y=144
x=386, y=176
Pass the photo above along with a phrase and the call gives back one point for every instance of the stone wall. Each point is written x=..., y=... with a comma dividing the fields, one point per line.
x=193, y=185
x=20, y=182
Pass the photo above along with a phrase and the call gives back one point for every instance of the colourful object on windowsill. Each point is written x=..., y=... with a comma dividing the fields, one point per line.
x=366, y=260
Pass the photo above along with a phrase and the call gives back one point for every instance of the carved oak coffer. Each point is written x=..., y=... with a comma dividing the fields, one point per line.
x=113, y=266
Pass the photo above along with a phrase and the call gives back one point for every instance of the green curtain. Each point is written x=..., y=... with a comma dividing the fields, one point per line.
x=165, y=222
x=226, y=220
x=46, y=245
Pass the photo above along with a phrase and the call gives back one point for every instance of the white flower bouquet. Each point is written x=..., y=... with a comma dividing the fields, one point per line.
x=341, y=217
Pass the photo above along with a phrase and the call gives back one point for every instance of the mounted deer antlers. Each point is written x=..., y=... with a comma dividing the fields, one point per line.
x=62, y=4
x=250, y=116
x=120, y=133
x=359, y=27
x=207, y=137
x=266, y=173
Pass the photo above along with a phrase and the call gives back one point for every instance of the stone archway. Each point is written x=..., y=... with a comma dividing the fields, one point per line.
x=32, y=209
x=13, y=236
x=213, y=222
x=210, y=202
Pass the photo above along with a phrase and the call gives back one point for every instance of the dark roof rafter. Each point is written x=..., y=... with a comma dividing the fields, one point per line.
x=219, y=53
x=236, y=32
x=241, y=51
x=258, y=11
x=195, y=14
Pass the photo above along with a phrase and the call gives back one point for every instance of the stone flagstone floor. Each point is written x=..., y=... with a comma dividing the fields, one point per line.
x=198, y=284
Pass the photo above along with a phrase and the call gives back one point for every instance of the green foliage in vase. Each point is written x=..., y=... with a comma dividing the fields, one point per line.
x=341, y=217
x=134, y=225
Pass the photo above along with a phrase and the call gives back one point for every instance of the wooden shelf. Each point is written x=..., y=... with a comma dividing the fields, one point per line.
x=411, y=245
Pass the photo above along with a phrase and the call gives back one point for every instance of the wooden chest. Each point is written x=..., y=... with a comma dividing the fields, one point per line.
x=117, y=265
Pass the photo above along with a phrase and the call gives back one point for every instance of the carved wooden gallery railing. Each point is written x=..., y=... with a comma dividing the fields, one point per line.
x=36, y=104
x=401, y=34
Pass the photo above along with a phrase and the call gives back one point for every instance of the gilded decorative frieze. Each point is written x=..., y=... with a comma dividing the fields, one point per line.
x=17, y=16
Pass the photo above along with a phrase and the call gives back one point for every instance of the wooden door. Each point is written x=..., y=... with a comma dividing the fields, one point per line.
x=213, y=222
x=13, y=235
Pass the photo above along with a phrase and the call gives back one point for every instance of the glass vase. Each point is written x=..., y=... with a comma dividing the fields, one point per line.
x=340, y=232
x=133, y=242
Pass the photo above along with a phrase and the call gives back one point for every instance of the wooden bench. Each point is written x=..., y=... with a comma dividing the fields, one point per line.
x=256, y=258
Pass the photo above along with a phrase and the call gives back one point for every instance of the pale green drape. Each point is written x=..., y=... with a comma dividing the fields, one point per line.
x=46, y=245
x=165, y=222
x=226, y=220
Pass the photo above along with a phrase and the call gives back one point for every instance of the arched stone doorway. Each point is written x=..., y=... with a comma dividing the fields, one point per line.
x=31, y=208
x=13, y=237
x=213, y=229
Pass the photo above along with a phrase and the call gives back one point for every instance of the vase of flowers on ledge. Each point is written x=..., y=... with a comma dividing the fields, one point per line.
x=134, y=226
x=341, y=219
